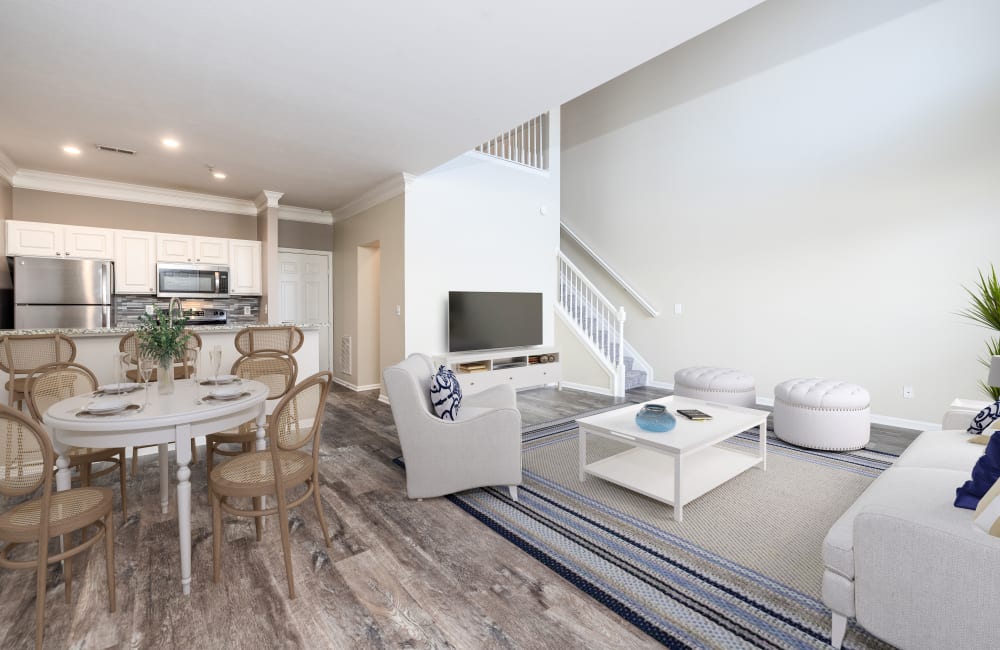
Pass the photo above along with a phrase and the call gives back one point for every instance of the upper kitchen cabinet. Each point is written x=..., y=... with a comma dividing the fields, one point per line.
x=56, y=240
x=244, y=267
x=135, y=262
x=182, y=248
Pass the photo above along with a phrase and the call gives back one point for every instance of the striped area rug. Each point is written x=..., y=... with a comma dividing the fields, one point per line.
x=743, y=569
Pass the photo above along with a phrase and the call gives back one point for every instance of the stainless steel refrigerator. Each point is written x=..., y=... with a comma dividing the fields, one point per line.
x=62, y=293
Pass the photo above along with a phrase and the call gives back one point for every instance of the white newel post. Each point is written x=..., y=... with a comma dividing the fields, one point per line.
x=620, y=360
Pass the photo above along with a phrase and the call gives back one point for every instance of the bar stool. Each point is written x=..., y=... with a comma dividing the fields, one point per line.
x=22, y=353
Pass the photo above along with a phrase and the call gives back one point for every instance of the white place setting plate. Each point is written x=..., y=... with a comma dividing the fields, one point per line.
x=225, y=393
x=105, y=405
x=126, y=387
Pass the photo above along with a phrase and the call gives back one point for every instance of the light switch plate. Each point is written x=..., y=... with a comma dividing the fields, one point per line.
x=150, y=309
x=246, y=310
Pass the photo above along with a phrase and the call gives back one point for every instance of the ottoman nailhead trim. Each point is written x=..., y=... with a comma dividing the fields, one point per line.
x=822, y=409
x=717, y=390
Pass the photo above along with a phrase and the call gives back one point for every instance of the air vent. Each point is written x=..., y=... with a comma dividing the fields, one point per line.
x=104, y=147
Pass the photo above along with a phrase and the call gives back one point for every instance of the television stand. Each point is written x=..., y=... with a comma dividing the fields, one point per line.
x=522, y=368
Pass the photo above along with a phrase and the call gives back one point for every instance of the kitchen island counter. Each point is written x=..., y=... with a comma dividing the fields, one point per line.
x=120, y=331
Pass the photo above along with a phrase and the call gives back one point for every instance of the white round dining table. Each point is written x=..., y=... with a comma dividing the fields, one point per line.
x=177, y=418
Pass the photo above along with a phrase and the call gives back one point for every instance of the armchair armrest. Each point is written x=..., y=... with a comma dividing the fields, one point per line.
x=920, y=578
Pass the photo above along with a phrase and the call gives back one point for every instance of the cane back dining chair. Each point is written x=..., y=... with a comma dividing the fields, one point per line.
x=22, y=353
x=275, y=369
x=183, y=369
x=280, y=338
x=26, y=460
x=295, y=423
x=55, y=382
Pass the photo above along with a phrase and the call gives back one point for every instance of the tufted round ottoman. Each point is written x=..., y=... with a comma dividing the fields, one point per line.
x=726, y=385
x=822, y=414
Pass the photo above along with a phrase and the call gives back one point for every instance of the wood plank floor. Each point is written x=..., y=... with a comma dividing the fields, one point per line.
x=400, y=573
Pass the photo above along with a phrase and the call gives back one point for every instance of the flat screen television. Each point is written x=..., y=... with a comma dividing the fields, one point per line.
x=487, y=320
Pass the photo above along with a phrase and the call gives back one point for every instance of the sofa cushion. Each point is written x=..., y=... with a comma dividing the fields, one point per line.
x=984, y=418
x=446, y=394
x=906, y=489
x=984, y=474
x=942, y=449
x=988, y=511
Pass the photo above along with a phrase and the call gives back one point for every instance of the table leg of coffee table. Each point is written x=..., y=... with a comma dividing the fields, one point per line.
x=678, y=502
x=763, y=445
x=583, y=454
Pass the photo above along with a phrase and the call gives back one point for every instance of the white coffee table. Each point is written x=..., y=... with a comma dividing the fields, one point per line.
x=678, y=466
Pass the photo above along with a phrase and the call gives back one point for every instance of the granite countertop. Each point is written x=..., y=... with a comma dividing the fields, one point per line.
x=118, y=331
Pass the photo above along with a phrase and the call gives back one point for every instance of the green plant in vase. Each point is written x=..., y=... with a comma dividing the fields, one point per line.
x=164, y=339
x=984, y=309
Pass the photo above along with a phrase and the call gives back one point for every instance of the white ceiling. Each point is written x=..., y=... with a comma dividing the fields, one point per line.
x=319, y=100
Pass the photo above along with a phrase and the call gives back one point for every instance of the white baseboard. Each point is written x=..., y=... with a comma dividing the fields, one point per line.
x=383, y=398
x=660, y=384
x=600, y=390
x=355, y=388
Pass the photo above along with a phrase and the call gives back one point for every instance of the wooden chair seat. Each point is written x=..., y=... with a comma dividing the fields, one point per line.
x=70, y=510
x=252, y=474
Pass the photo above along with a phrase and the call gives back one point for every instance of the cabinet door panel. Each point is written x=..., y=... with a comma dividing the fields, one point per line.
x=244, y=268
x=211, y=250
x=39, y=239
x=174, y=248
x=89, y=243
x=135, y=262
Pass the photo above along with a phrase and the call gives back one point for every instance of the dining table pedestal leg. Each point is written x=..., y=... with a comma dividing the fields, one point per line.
x=184, y=502
x=164, y=479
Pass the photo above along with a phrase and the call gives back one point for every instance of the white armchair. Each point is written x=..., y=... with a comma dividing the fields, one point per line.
x=482, y=447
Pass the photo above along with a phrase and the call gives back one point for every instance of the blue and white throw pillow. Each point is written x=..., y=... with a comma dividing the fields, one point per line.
x=984, y=419
x=446, y=394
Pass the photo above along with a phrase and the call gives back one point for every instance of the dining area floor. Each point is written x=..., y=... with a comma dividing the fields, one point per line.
x=399, y=573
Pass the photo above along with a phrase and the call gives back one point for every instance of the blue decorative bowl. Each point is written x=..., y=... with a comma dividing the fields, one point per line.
x=655, y=418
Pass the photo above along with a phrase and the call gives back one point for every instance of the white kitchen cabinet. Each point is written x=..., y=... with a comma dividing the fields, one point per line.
x=57, y=240
x=244, y=268
x=89, y=243
x=135, y=262
x=211, y=250
x=183, y=248
x=38, y=239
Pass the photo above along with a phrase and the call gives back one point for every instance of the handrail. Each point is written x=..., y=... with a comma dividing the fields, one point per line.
x=652, y=311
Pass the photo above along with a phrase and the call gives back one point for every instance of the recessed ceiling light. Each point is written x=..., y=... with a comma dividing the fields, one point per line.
x=219, y=175
x=70, y=149
x=170, y=143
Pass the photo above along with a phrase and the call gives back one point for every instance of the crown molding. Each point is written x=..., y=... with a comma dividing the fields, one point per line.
x=308, y=215
x=387, y=189
x=7, y=168
x=31, y=179
x=267, y=199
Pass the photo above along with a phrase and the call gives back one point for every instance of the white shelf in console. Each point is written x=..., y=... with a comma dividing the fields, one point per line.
x=522, y=368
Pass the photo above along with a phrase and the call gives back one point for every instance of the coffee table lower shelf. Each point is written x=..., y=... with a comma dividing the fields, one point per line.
x=653, y=474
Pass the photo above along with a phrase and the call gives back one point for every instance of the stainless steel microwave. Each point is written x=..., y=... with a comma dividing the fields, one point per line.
x=191, y=280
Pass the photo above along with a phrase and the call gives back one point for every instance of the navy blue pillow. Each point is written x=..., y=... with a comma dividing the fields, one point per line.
x=984, y=475
x=446, y=394
x=984, y=418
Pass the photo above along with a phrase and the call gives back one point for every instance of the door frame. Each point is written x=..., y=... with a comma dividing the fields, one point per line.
x=329, y=283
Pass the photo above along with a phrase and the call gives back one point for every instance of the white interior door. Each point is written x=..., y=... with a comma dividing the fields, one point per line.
x=304, y=294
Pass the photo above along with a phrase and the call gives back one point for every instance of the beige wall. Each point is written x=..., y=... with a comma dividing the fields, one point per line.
x=381, y=225
x=305, y=235
x=53, y=207
x=580, y=369
x=814, y=183
x=6, y=209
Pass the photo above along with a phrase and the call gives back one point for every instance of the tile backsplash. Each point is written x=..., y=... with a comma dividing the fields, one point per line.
x=128, y=308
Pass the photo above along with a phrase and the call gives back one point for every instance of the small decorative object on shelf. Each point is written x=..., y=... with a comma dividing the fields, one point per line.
x=655, y=418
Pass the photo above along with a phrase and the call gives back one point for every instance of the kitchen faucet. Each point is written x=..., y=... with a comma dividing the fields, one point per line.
x=170, y=309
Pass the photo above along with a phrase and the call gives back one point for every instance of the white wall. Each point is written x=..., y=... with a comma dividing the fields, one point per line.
x=474, y=224
x=814, y=182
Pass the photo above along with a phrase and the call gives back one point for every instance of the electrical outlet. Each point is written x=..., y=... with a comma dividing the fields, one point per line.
x=150, y=309
x=246, y=310
x=678, y=308
x=908, y=392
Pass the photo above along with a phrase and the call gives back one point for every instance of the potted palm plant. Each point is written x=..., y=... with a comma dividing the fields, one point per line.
x=984, y=309
x=163, y=338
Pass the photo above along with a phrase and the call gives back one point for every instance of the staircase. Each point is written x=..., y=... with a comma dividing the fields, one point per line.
x=599, y=323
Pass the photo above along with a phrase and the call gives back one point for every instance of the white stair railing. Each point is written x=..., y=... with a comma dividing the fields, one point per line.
x=526, y=144
x=597, y=320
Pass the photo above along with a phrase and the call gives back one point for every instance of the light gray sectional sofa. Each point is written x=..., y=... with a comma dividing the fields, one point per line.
x=908, y=565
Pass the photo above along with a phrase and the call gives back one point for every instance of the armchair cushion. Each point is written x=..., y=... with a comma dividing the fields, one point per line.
x=446, y=394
